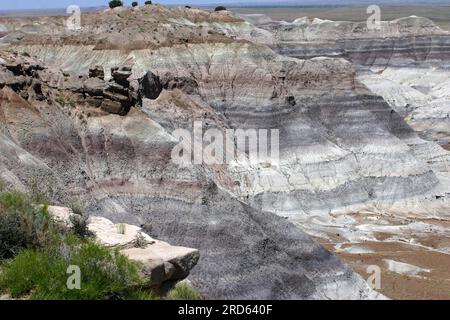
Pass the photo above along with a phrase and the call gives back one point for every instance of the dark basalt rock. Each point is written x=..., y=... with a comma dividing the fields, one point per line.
x=37, y=88
x=291, y=100
x=16, y=69
x=97, y=72
x=149, y=86
x=94, y=101
x=17, y=84
x=111, y=97
x=94, y=87
x=22, y=77
x=117, y=88
x=170, y=82
x=121, y=75
x=24, y=69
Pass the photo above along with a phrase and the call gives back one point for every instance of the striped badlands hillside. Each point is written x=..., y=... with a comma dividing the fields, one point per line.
x=91, y=114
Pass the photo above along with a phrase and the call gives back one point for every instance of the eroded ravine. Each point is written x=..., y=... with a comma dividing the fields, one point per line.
x=343, y=150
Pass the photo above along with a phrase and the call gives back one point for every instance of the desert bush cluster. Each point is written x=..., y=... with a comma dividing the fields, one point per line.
x=37, y=252
x=117, y=3
x=23, y=224
x=43, y=274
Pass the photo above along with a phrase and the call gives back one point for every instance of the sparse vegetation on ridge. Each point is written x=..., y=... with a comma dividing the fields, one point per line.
x=220, y=8
x=115, y=3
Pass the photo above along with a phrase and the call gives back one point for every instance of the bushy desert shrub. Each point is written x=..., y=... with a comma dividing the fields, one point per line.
x=77, y=208
x=147, y=2
x=115, y=3
x=220, y=8
x=134, y=4
x=79, y=220
x=80, y=225
x=43, y=273
x=140, y=241
x=23, y=224
x=36, y=192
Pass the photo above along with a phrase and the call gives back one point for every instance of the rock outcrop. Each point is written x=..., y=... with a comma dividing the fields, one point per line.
x=161, y=264
x=97, y=72
x=115, y=96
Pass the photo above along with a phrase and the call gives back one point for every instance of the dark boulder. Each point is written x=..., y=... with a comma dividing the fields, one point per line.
x=291, y=100
x=149, y=86
x=37, y=88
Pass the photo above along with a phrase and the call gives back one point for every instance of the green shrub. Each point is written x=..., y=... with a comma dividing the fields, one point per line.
x=23, y=224
x=60, y=100
x=220, y=8
x=79, y=220
x=140, y=241
x=134, y=4
x=12, y=200
x=183, y=291
x=77, y=208
x=42, y=273
x=80, y=225
x=36, y=192
x=115, y=3
x=147, y=3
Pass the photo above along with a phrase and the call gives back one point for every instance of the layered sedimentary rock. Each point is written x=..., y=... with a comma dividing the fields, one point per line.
x=342, y=148
x=406, y=63
x=121, y=166
x=420, y=94
x=404, y=60
x=411, y=38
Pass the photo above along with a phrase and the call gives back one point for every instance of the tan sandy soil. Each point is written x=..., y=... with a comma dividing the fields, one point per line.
x=432, y=285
